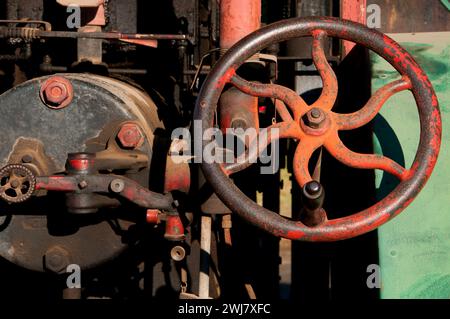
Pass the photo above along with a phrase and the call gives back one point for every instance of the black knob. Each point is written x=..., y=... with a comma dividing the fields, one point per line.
x=313, y=195
x=313, y=189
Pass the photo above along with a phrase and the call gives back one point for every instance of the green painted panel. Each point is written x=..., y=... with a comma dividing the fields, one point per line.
x=415, y=246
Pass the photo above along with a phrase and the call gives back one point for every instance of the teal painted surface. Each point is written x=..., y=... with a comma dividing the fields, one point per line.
x=446, y=3
x=415, y=246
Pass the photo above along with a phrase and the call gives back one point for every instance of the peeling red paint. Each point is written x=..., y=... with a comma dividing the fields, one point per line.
x=174, y=228
x=56, y=183
x=81, y=164
x=225, y=78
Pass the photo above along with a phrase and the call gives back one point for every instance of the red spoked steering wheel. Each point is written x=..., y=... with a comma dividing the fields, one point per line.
x=317, y=125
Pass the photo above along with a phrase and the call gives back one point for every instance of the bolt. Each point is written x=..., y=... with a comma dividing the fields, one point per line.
x=315, y=113
x=27, y=158
x=56, y=259
x=83, y=184
x=15, y=183
x=314, y=118
x=117, y=185
x=130, y=136
x=57, y=92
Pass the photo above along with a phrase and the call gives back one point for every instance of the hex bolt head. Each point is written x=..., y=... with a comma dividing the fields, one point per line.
x=130, y=136
x=83, y=184
x=314, y=118
x=56, y=259
x=56, y=92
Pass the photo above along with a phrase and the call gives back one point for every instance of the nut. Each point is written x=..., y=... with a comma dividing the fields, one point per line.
x=314, y=118
x=56, y=92
x=56, y=259
x=83, y=184
x=130, y=136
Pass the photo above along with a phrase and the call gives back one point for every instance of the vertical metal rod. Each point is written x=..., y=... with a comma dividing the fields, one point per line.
x=238, y=18
x=205, y=246
x=354, y=10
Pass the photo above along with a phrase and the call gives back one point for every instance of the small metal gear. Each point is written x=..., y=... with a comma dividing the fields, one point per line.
x=17, y=183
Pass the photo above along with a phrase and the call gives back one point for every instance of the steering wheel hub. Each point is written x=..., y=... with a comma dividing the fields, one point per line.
x=315, y=122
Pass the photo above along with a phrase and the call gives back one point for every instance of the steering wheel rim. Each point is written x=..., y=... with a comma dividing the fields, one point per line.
x=368, y=219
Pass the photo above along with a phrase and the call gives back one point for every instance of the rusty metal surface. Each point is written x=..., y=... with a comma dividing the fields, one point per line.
x=412, y=180
x=17, y=183
x=130, y=136
x=177, y=176
x=153, y=216
x=174, y=228
x=237, y=19
x=87, y=125
x=354, y=10
x=42, y=141
x=238, y=110
x=56, y=92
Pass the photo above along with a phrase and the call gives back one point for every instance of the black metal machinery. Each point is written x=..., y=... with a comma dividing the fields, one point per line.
x=93, y=175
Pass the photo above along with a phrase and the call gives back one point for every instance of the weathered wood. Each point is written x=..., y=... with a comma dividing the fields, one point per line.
x=412, y=16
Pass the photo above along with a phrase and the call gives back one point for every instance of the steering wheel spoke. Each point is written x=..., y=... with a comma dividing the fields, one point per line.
x=372, y=107
x=302, y=156
x=281, y=108
x=336, y=148
x=257, y=144
x=292, y=100
x=329, y=81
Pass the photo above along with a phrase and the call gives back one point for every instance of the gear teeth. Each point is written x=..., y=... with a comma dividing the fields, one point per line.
x=23, y=171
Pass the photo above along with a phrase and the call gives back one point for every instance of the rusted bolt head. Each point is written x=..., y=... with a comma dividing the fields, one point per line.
x=314, y=118
x=130, y=136
x=56, y=92
x=56, y=259
x=83, y=184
